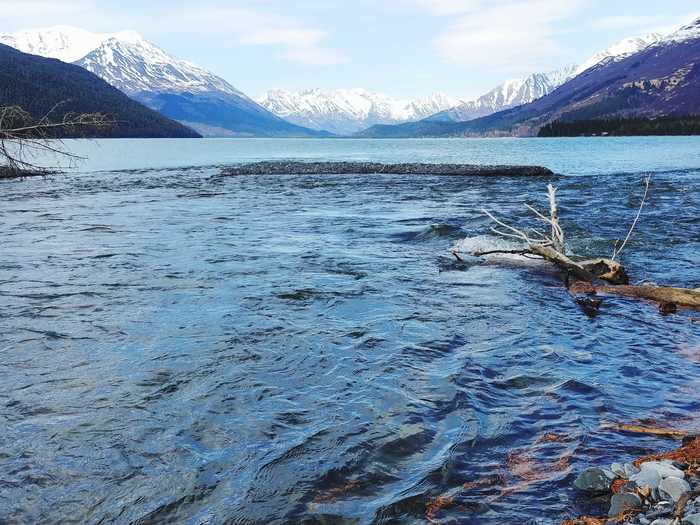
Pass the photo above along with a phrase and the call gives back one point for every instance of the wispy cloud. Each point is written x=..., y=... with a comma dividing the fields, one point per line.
x=26, y=9
x=624, y=22
x=289, y=38
x=449, y=7
x=503, y=34
x=296, y=41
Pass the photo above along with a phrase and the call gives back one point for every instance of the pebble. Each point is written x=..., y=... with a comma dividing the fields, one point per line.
x=623, y=502
x=665, y=469
x=595, y=480
x=654, y=490
x=624, y=470
x=674, y=488
x=647, y=477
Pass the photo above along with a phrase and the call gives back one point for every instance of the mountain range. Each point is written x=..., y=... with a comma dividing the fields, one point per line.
x=346, y=111
x=646, y=78
x=49, y=87
x=205, y=102
x=176, y=88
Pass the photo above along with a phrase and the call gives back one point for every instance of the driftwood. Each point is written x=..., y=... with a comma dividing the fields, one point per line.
x=659, y=294
x=587, y=278
x=651, y=431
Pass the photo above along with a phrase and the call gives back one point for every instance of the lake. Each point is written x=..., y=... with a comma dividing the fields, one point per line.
x=182, y=347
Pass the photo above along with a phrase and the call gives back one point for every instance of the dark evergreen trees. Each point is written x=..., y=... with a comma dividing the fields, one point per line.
x=39, y=85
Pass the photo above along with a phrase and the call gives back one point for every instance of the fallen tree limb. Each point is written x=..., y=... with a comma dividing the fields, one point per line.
x=583, y=278
x=503, y=252
x=660, y=294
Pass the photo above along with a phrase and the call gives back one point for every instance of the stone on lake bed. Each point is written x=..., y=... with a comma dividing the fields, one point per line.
x=624, y=502
x=693, y=519
x=674, y=488
x=666, y=469
x=647, y=478
x=624, y=470
x=595, y=480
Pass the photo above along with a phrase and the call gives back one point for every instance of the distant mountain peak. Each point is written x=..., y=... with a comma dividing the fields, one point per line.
x=347, y=110
x=174, y=87
x=65, y=43
x=690, y=31
x=124, y=59
x=133, y=64
x=621, y=49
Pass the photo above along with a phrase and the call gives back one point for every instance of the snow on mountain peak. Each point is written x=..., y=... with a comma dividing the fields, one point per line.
x=132, y=64
x=621, y=50
x=65, y=43
x=351, y=109
x=687, y=32
x=125, y=59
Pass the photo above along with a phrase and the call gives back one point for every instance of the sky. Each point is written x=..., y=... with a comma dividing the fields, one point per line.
x=404, y=48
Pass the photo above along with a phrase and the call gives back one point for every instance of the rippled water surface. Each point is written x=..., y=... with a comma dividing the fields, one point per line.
x=180, y=347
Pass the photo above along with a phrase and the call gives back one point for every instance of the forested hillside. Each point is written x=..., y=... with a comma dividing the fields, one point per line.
x=40, y=84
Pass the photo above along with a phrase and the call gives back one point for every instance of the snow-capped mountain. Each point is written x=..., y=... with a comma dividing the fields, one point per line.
x=684, y=34
x=65, y=43
x=132, y=64
x=660, y=81
x=176, y=88
x=510, y=94
x=621, y=50
x=345, y=111
x=125, y=59
x=519, y=91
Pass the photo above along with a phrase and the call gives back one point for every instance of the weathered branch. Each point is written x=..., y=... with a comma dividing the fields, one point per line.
x=583, y=278
x=21, y=134
x=660, y=294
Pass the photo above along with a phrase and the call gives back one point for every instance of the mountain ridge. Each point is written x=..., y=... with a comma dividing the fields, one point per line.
x=176, y=88
x=661, y=80
x=345, y=111
x=23, y=81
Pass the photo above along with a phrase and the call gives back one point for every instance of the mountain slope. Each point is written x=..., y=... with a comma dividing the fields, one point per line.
x=38, y=84
x=177, y=88
x=346, y=111
x=521, y=91
x=510, y=94
x=659, y=80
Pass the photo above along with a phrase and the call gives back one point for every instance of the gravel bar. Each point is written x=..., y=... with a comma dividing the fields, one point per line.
x=372, y=168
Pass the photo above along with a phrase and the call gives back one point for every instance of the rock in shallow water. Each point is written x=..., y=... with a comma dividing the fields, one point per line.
x=624, y=470
x=665, y=469
x=647, y=478
x=623, y=502
x=674, y=488
x=693, y=519
x=595, y=480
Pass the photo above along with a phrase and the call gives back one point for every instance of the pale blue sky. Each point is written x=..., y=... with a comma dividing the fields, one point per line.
x=400, y=47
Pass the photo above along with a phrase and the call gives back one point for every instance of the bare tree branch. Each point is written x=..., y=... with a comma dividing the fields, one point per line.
x=22, y=136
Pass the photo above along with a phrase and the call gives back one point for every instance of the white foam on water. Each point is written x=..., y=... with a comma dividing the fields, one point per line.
x=487, y=243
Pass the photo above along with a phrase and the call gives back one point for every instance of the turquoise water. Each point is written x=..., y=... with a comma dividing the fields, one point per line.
x=576, y=156
x=181, y=347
